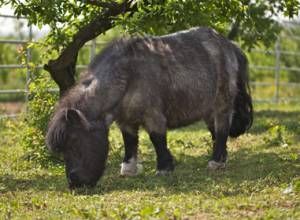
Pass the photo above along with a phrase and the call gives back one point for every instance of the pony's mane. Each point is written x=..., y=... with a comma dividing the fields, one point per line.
x=56, y=134
x=118, y=45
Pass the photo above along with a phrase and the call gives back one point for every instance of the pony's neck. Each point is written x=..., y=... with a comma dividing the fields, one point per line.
x=83, y=100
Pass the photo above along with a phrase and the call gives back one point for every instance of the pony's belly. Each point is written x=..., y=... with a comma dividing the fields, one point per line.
x=179, y=120
x=179, y=109
x=187, y=111
x=137, y=116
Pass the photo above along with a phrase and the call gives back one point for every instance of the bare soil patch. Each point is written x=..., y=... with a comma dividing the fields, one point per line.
x=11, y=107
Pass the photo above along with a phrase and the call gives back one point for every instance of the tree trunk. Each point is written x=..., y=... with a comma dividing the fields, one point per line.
x=62, y=73
x=62, y=69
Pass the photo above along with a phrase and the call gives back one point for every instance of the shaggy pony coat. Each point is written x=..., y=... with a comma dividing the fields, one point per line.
x=158, y=83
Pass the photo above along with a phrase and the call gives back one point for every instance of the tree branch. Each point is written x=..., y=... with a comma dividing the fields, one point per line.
x=62, y=69
x=234, y=31
x=235, y=26
x=102, y=4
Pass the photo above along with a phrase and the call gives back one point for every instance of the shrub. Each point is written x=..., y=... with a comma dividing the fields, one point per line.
x=40, y=106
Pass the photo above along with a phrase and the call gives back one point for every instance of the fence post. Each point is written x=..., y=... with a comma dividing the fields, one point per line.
x=28, y=71
x=277, y=69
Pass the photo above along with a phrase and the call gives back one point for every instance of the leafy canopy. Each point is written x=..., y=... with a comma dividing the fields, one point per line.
x=250, y=21
x=255, y=20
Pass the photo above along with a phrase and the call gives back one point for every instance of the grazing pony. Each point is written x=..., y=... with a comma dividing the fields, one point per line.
x=156, y=83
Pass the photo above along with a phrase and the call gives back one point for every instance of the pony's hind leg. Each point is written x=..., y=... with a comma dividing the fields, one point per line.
x=129, y=166
x=156, y=127
x=220, y=136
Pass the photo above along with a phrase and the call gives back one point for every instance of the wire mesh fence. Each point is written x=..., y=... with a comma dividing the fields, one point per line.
x=269, y=81
x=283, y=72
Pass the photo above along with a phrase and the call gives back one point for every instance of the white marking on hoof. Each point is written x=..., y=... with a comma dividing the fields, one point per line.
x=213, y=165
x=132, y=168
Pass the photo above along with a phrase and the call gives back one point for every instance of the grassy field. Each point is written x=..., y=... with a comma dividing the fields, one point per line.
x=261, y=181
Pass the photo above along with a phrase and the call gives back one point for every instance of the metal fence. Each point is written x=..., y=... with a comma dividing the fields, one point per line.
x=18, y=66
x=25, y=90
x=277, y=68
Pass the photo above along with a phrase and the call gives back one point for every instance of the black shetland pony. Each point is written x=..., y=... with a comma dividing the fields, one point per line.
x=157, y=83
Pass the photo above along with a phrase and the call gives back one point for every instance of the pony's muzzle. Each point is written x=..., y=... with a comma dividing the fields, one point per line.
x=75, y=181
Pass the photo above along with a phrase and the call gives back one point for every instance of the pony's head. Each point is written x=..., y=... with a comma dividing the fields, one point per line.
x=84, y=145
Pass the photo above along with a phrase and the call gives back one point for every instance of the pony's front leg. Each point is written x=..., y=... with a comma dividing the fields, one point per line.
x=220, y=136
x=157, y=129
x=129, y=166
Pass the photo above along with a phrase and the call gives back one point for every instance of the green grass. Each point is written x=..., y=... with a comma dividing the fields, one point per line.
x=261, y=181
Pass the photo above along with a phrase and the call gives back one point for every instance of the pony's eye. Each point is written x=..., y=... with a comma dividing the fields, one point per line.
x=87, y=82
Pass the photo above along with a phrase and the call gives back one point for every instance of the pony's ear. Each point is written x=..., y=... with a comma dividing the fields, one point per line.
x=75, y=117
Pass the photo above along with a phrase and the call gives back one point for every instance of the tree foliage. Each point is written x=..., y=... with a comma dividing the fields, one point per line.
x=256, y=19
x=249, y=21
x=74, y=22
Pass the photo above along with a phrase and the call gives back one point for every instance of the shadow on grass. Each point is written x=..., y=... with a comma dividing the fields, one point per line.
x=9, y=183
x=265, y=119
x=245, y=167
x=247, y=172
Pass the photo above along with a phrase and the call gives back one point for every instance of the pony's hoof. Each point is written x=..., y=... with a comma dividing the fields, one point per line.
x=213, y=165
x=131, y=169
x=163, y=172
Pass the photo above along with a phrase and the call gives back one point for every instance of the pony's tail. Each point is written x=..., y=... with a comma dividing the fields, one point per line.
x=243, y=110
